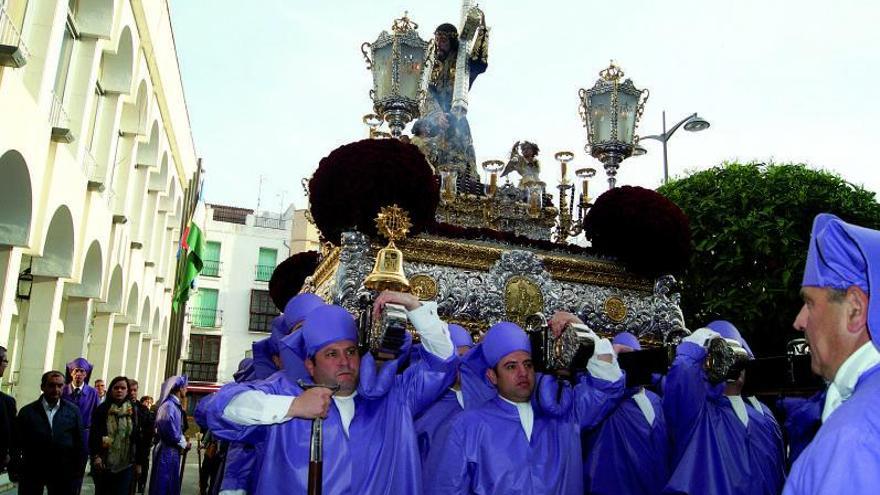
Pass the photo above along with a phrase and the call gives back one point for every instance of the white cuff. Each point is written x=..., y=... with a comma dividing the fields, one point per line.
x=600, y=369
x=432, y=330
x=182, y=442
x=701, y=336
x=257, y=408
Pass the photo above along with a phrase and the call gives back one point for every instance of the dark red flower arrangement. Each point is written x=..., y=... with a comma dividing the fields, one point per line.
x=290, y=275
x=642, y=229
x=355, y=180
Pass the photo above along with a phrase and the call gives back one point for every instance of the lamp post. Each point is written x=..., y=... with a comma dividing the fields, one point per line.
x=610, y=111
x=692, y=123
x=397, y=64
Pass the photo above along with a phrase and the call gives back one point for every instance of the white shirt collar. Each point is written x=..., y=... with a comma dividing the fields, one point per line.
x=641, y=399
x=48, y=406
x=739, y=408
x=865, y=358
x=526, y=415
x=345, y=406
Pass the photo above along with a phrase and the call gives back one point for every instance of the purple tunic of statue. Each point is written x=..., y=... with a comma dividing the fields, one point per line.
x=845, y=454
x=165, y=475
x=803, y=417
x=86, y=401
x=380, y=454
x=625, y=453
x=713, y=452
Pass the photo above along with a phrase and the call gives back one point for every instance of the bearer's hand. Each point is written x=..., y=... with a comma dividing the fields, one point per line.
x=560, y=320
x=312, y=403
x=408, y=301
x=137, y=470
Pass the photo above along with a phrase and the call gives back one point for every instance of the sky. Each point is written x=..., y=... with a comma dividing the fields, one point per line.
x=272, y=86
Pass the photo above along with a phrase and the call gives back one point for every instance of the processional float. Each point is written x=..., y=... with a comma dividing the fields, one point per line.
x=488, y=252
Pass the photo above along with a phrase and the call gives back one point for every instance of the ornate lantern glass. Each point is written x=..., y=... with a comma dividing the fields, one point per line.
x=397, y=61
x=611, y=110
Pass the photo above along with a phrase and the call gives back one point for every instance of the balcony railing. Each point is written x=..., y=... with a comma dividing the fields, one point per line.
x=211, y=268
x=200, y=371
x=205, y=317
x=262, y=273
x=60, y=121
x=13, y=52
x=269, y=222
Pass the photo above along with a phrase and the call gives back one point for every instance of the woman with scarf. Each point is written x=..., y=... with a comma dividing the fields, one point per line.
x=115, y=441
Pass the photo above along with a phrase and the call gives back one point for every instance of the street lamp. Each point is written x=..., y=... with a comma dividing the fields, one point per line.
x=397, y=63
x=692, y=123
x=611, y=110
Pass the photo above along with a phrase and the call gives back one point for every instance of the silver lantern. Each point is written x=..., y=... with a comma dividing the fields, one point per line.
x=397, y=61
x=611, y=110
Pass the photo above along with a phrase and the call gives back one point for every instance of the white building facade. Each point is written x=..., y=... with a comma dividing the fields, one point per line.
x=96, y=156
x=232, y=308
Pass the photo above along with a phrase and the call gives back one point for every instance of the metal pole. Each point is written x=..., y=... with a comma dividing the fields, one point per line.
x=665, y=159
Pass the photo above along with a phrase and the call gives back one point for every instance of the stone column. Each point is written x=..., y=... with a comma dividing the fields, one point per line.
x=160, y=371
x=40, y=335
x=10, y=265
x=118, y=350
x=77, y=321
x=99, y=346
x=130, y=367
x=145, y=373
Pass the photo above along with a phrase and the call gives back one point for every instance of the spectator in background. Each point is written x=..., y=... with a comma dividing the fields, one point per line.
x=101, y=389
x=146, y=420
x=116, y=441
x=7, y=416
x=47, y=443
x=84, y=397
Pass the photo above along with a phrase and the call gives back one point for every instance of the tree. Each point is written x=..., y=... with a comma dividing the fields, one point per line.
x=750, y=225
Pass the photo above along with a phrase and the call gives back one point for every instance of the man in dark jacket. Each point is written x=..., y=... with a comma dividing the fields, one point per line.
x=47, y=432
x=146, y=422
x=7, y=416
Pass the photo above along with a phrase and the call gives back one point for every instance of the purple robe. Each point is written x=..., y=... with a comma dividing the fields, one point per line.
x=165, y=476
x=803, y=417
x=379, y=456
x=713, y=452
x=487, y=451
x=87, y=402
x=844, y=457
x=626, y=454
x=242, y=461
x=432, y=424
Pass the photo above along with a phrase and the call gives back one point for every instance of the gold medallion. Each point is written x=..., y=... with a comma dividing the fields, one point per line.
x=423, y=286
x=615, y=309
x=522, y=297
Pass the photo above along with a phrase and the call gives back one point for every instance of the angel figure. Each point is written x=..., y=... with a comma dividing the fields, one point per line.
x=523, y=160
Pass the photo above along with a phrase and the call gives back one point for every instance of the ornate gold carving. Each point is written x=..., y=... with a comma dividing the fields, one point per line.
x=327, y=268
x=423, y=286
x=472, y=255
x=522, y=297
x=615, y=309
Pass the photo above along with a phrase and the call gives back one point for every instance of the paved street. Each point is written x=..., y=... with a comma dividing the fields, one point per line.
x=190, y=480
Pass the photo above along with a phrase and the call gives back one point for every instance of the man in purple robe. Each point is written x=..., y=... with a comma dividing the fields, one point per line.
x=369, y=443
x=841, y=319
x=243, y=460
x=722, y=443
x=802, y=419
x=522, y=440
x=628, y=452
x=85, y=397
x=170, y=427
x=433, y=421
